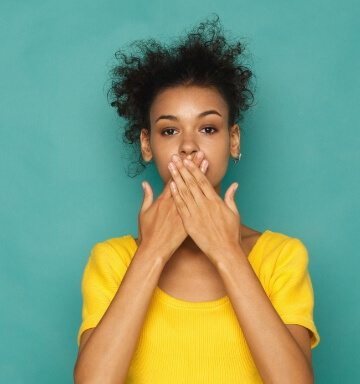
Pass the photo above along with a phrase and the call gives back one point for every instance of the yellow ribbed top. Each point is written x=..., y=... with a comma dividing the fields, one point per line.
x=200, y=342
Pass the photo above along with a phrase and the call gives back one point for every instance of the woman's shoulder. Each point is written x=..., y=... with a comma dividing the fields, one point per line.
x=275, y=251
x=122, y=242
x=271, y=237
x=122, y=248
x=268, y=245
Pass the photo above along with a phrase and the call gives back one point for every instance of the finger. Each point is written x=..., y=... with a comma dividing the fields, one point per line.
x=229, y=197
x=180, y=204
x=182, y=185
x=190, y=185
x=198, y=160
x=201, y=180
x=148, y=196
x=167, y=192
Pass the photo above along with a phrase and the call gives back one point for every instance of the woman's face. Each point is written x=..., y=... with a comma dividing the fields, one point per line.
x=185, y=120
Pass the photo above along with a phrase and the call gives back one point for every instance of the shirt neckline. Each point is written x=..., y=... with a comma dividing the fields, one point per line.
x=180, y=303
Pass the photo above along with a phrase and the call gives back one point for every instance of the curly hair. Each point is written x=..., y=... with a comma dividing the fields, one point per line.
x=202, y=57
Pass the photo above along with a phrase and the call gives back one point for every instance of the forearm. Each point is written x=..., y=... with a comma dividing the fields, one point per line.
x=107, y=354
x=276, y=354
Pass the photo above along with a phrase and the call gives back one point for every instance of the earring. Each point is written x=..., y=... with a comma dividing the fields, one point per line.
x=236, y=160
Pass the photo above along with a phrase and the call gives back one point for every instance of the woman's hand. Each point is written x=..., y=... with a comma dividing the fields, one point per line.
x=159, y=223
x=214, y=224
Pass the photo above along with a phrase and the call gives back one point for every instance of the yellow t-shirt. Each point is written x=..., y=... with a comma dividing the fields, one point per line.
x=200, y=342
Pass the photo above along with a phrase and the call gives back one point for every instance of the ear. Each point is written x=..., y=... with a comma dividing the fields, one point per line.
x=234, y=135
x=145, y=144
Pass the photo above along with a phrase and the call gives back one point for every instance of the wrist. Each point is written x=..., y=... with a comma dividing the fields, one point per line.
x=154, y=254
x=228, y=255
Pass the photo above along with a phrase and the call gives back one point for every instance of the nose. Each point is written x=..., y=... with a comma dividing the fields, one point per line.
x=188, y=148
x=190, y=155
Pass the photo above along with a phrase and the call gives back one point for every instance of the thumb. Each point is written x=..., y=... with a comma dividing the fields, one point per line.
x=230, y=197
x=148, y=196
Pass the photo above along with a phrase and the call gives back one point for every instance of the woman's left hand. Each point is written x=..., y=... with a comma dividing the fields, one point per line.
x=214, y=224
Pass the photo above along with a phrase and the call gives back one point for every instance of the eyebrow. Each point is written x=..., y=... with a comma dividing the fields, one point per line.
x=202, y=114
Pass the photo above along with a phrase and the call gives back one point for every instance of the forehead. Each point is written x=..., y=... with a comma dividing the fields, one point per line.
x=187, y=102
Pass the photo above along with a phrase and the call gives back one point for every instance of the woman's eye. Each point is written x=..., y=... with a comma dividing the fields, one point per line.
x=166, y=130
x=214, y=130
x=172, y=129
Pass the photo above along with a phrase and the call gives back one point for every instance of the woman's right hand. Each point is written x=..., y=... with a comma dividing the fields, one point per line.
x=159, y=223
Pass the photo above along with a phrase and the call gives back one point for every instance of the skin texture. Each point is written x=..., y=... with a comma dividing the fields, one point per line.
x=189, y=135
x=281, y=351
x=185, y=137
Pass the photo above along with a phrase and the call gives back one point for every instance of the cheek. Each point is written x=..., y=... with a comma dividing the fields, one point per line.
x=217, y=169
x=161, y=163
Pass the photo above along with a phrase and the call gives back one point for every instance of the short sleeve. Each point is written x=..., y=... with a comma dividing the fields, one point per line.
x=100, y=281
x=291, y=291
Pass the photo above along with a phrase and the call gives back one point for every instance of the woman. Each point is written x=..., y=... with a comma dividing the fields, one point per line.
x=198, y=297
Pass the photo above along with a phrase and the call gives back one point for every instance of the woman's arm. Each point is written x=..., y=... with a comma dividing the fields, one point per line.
x=106, y=356
x=280, y=355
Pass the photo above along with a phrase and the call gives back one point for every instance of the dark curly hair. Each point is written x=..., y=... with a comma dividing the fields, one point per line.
x=203, y=57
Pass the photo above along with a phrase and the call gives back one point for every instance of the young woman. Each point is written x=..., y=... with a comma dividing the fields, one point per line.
x=198, y=296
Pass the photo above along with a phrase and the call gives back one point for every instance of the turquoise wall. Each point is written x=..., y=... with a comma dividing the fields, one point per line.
x=63, y=171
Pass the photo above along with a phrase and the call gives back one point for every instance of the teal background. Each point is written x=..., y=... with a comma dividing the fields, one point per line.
x=63, y=167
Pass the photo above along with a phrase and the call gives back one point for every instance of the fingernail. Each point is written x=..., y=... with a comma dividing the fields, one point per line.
x=175, y=158
x=206, y=164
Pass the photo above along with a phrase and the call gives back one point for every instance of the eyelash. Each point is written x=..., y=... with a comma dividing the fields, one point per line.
x=172, y=129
